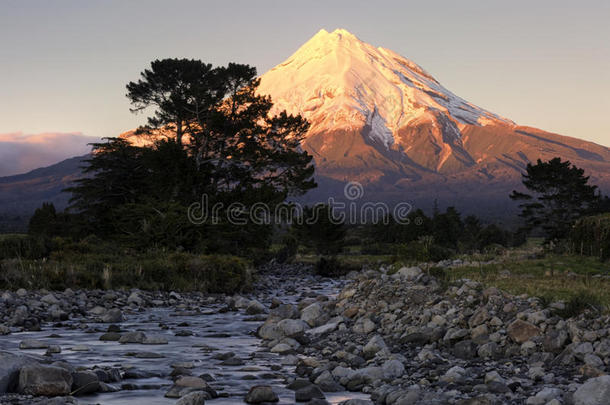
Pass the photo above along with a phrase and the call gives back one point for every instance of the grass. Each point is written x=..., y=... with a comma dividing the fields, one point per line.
x=154, y=270
x=553, y=277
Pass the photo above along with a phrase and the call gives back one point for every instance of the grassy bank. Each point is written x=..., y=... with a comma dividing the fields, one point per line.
x=92, y=264
x=552, y=277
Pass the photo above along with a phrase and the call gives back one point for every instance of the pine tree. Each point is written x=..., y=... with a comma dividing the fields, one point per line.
x=560, y=194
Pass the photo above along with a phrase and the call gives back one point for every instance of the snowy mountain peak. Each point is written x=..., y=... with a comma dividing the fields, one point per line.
x=340, y=83
x=335, y=79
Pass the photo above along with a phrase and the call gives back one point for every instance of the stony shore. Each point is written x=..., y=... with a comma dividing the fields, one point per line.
x=402, y=338
x=405, y=339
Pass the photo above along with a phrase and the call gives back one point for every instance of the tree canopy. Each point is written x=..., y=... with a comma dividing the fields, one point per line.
x=560, y=193
x=209, y=134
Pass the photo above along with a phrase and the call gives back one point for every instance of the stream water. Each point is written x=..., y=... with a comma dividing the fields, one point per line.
x=213, y=332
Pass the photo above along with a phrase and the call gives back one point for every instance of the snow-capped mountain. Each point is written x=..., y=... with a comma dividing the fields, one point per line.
x=379, y=118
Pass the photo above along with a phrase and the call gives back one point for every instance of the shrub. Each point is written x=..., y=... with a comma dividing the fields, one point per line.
x=579, y=303
x=423, y=251
x=330, y=267
x=591, y=236
x=288, y=251
x=155, y=270
x=23, y=246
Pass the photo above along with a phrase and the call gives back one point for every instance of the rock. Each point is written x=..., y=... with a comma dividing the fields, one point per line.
x=595, y=391
x=194, y=398
x=323, y=329
x=85, y=382
x=53, y=349
x=4, y=330
x=521, y=331
x=466, y=349
x=110, y=337
x=31, y=344
x=544, y=396
x=308, y=393
x=364, y=325
x=408, y=273
x=373, y=346
x=454, y=375
x=285, y=311
x=281, y=348
x=479, y=317
x=270, y=331
x=113, y=316
x=255, y=308
x=261, y=393
x=327, y=382
x=132, y=337
x=154, y=340
x=554, y=341
x=356, y=401
x=46, y=381
x=393, y=369
x=50, y=299
x=312, y=314
x=134, y=298
x=80, y=348
x=292, y=327
x=10, y=364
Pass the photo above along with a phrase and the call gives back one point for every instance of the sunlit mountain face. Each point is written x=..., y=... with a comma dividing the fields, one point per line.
x=380, y=119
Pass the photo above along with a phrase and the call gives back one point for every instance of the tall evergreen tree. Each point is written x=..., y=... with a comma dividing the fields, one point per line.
x=560, y=194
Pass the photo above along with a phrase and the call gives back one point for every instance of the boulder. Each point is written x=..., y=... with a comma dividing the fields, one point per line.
x=595, y=391
x=373, y=346
x=33, y=344
x=85, y=382
x=292, y=327
x=308, y=393
x=194, y=398
x=393, y=369
x=113, y=316
x=132, y=337
x=408, y=273
x=312, y=314
x=10, y=364
x=48, y=381
x=522, y=331
x=261, y=393
x=255, y=308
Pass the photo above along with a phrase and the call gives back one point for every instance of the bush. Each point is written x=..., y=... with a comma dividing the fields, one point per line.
x=423, y=252
x=78, y=267
x=591, y=236
x=330, y=267
x=579, y=303
x=289, y=249
x=14, y=246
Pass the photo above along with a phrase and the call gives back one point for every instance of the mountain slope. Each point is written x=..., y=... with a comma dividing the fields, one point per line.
x=380, y=119
x=22, y=194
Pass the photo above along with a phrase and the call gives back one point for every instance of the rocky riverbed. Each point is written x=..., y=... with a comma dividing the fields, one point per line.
x=139, y=347
x=399, y=338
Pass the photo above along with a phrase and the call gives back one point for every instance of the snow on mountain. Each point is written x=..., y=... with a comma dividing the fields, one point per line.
x=337, y=81
x=380, y=119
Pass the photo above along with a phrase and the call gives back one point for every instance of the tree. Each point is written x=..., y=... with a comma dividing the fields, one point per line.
x=447, y=227
x=44, y=222
x=560, y=194
x=178, y=89
x=319, y=229
x=210, y=134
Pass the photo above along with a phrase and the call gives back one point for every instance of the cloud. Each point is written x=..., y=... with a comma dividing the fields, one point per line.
x=20, y=153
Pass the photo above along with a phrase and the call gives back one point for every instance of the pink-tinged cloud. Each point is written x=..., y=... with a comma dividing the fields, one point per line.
x=20, y=153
